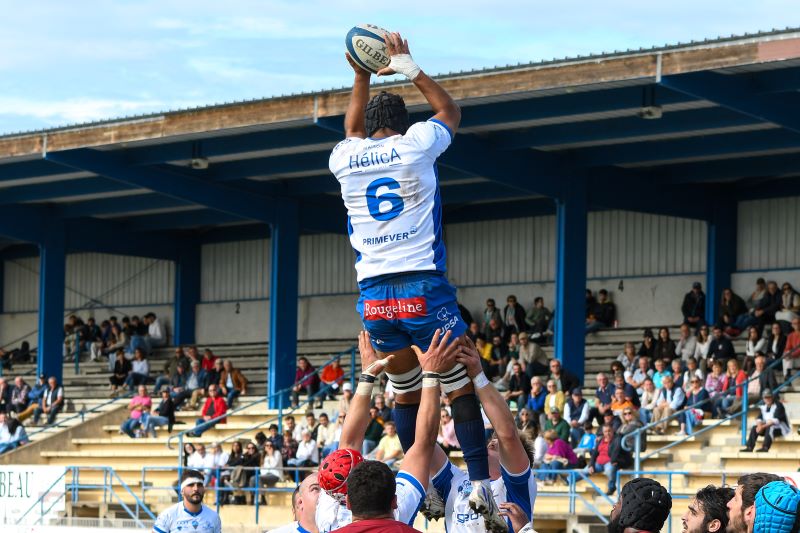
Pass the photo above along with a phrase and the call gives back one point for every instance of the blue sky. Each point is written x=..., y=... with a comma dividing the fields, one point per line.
x=70, y=62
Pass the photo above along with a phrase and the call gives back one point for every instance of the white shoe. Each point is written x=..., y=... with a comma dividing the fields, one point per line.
x=681, y=434
x=481, y=500
x=433, y=506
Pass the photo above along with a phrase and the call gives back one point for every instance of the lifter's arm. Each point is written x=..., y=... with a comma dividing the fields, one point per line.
x=512, y=455
x=357, y=418
x=444, y=107
x=354, y=125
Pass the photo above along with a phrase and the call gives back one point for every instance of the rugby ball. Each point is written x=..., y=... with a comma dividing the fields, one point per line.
x=365, y=45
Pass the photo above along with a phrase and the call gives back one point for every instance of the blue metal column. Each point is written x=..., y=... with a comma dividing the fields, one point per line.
x=283, y=308
x=52, y=274
x=721, y=253
x=187, y=293
x=2, y=282
x=570, y=316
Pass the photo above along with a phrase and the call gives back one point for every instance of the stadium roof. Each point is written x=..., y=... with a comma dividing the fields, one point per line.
x=660, y=130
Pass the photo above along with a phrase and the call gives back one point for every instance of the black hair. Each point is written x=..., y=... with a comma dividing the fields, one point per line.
x=751, y=483
x=714, y=502
x=370, y=490
x=538, y=299
x=386, y=110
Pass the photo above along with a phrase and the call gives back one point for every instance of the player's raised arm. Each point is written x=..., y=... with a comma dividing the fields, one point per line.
x=512, y=454
x=354, y=117
x=440, y=357
x=444, y=107
x=357, y=419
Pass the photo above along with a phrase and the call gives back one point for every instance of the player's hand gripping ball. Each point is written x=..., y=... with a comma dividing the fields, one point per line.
x=334, y=471
x=366, y=46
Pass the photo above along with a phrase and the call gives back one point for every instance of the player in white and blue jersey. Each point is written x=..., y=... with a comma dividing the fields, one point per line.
x=304, y=506
x=189, y=515
x=387, y=172
x=510, y=459
x=411, y=482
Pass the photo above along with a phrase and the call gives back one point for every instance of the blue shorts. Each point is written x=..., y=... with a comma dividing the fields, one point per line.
x=400, y=310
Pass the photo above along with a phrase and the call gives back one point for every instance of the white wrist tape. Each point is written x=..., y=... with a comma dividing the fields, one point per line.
x=480, y=381
x=430, y=379
x=404, y=64
x=376, y=368
x=364, y=389
x=190, y=481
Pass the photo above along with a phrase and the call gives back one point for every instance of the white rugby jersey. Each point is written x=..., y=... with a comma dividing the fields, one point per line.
x=293, y=527
x=454, y=487
x=177, y=519
x=390, y=188
x=331, y=515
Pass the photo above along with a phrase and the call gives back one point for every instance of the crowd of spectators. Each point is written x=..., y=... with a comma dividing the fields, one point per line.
x=101, y=341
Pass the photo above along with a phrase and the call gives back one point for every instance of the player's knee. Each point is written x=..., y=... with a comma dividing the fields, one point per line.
x=466, y=408
x=407, y=382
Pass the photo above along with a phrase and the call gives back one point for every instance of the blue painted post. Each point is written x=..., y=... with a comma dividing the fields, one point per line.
x=570, y=316
x=721, y=253
x=187, y=293
x=283, y=307
x=2, y=282
x=52, y=272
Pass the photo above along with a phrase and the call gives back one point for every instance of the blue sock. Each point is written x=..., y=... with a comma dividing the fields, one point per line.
x=405, y=418
x=469, y=430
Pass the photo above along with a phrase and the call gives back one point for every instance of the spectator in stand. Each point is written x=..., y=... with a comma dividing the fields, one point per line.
x=213, y=408
x=732, y=385
x=576, y=413
x=670, y=400
x=721, y=347
x=758, y=293
x=12, y=434
x=776, y=344
x=691, y=371
x=565, y=380
x=587, y=442
x=335, y=437
x=232, y=382
x=219, y=459
x=495, y=329
x=665, y=346
x=790, y=304
x=447, y=438
x=242, y=477
x=699, y=402
x=628, y=359
x=702, y=346
x=324, y=432
x=715, y=384
x=791, y=351
x=608, y=457
x=557, y=423
x=616, y=368
x=373, y=433
x=630, y=423
x=526, y=424
x=289, y=446
x=235, y=458
x=648, y=346
x=531, y=356
x=628, y=389
x=305, y=380
x=493, y=359
x=610, y=419
x=643, y=372
x=384, y=412
x=590, y=301
x=347, y=395
x=135, y=408
x=140, y=370
x=171, y=368
x=649, y=401
x=156, y=337
x=290, y=425
x=309, y=424
x=759, y=381
x=332, y=376
x=677, y=372
x=620, y=403
x=513, y=316
x=212, y=378
x=537, y=399
x=473, y=331
x=118, y=340
x=164, y=415
x=193, y=380
x=389, y=449
x=694, y=306
x=604, y=394
x=34, y=398
x=274, y=437
x=602, y=313
x=769, y=305
x=684, y=349
x=755, y=344
x=731, y=309
x=5, y=395
x=19, y=395
x=51, y=404
x=122, y=369
x=518, y=387
x=307, y=454
x=271, y=468
x=491, y=312
x=660, y=373
x=192, y=353
x=555, y=398
x=770, y=424
x=208, y=360
x=559, y=456
x=538, y=318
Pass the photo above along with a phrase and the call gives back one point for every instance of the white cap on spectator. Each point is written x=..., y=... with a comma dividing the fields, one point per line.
x=348, y=386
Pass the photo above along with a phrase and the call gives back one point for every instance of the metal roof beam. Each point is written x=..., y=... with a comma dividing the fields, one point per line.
x=267, y=167
x=215, y=196
x=179, y=220
x=740, y=94
x=60, y=189
x=133, y=203
x=729, y=169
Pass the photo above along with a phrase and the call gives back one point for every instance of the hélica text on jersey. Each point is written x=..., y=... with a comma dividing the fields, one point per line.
x=374, y=158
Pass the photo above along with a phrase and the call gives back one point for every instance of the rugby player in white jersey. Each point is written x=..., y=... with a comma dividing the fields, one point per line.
x=412, y=481
x=189, y=515
x=510, y=458
x=304, y=507
x=387, y=172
